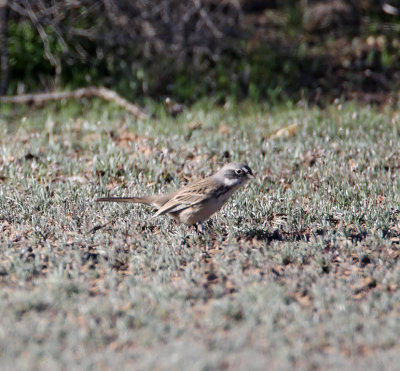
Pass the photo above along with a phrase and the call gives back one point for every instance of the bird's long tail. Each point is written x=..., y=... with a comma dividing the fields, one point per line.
x=138, y=200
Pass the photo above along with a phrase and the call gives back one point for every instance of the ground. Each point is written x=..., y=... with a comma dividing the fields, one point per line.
x=299, y=270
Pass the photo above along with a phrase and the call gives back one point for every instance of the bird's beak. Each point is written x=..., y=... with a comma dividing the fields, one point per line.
x=250, y=176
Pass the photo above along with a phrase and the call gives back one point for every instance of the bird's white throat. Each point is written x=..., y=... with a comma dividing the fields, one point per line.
x=229, y=182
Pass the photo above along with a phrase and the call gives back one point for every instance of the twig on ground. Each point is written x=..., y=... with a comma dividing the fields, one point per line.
x=104, y=93
x=97, y=227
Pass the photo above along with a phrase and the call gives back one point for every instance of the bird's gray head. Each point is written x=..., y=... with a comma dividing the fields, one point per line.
x=235, y=174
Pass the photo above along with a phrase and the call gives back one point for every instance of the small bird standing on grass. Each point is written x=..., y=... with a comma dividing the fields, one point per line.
x=197, y=201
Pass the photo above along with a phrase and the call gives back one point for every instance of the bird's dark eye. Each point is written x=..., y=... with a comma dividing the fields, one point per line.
x=239, y=172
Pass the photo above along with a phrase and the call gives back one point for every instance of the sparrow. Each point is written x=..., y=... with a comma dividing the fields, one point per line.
x=196, y=202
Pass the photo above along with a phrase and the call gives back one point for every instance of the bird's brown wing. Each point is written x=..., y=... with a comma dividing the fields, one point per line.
x=191, y=195
x=181, y=202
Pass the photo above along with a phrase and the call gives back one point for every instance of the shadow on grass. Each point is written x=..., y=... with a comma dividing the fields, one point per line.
x=275, y=235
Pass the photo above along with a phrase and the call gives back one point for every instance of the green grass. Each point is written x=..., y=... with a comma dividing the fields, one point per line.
x=299, y=270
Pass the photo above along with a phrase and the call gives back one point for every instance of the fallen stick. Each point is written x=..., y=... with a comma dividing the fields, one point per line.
x=104, y=93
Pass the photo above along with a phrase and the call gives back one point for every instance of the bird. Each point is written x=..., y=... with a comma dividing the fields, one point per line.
x=174, y=108
x=194, y=203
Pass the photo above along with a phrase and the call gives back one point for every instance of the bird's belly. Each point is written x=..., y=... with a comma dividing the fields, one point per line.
x=201, y=212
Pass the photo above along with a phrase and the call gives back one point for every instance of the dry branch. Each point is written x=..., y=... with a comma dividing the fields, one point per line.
x=104, y=93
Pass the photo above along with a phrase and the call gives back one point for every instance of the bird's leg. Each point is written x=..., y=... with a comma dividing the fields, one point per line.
x=200, y=227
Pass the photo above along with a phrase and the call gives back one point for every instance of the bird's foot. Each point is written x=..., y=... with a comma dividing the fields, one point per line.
x=200, y=227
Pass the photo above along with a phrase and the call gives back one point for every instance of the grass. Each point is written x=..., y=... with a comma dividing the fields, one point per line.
x=300, y=270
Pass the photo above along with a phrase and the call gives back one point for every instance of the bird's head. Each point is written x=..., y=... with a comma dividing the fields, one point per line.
x=235, y=174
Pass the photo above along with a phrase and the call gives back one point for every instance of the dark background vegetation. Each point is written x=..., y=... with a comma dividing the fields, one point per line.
x=258, y=49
